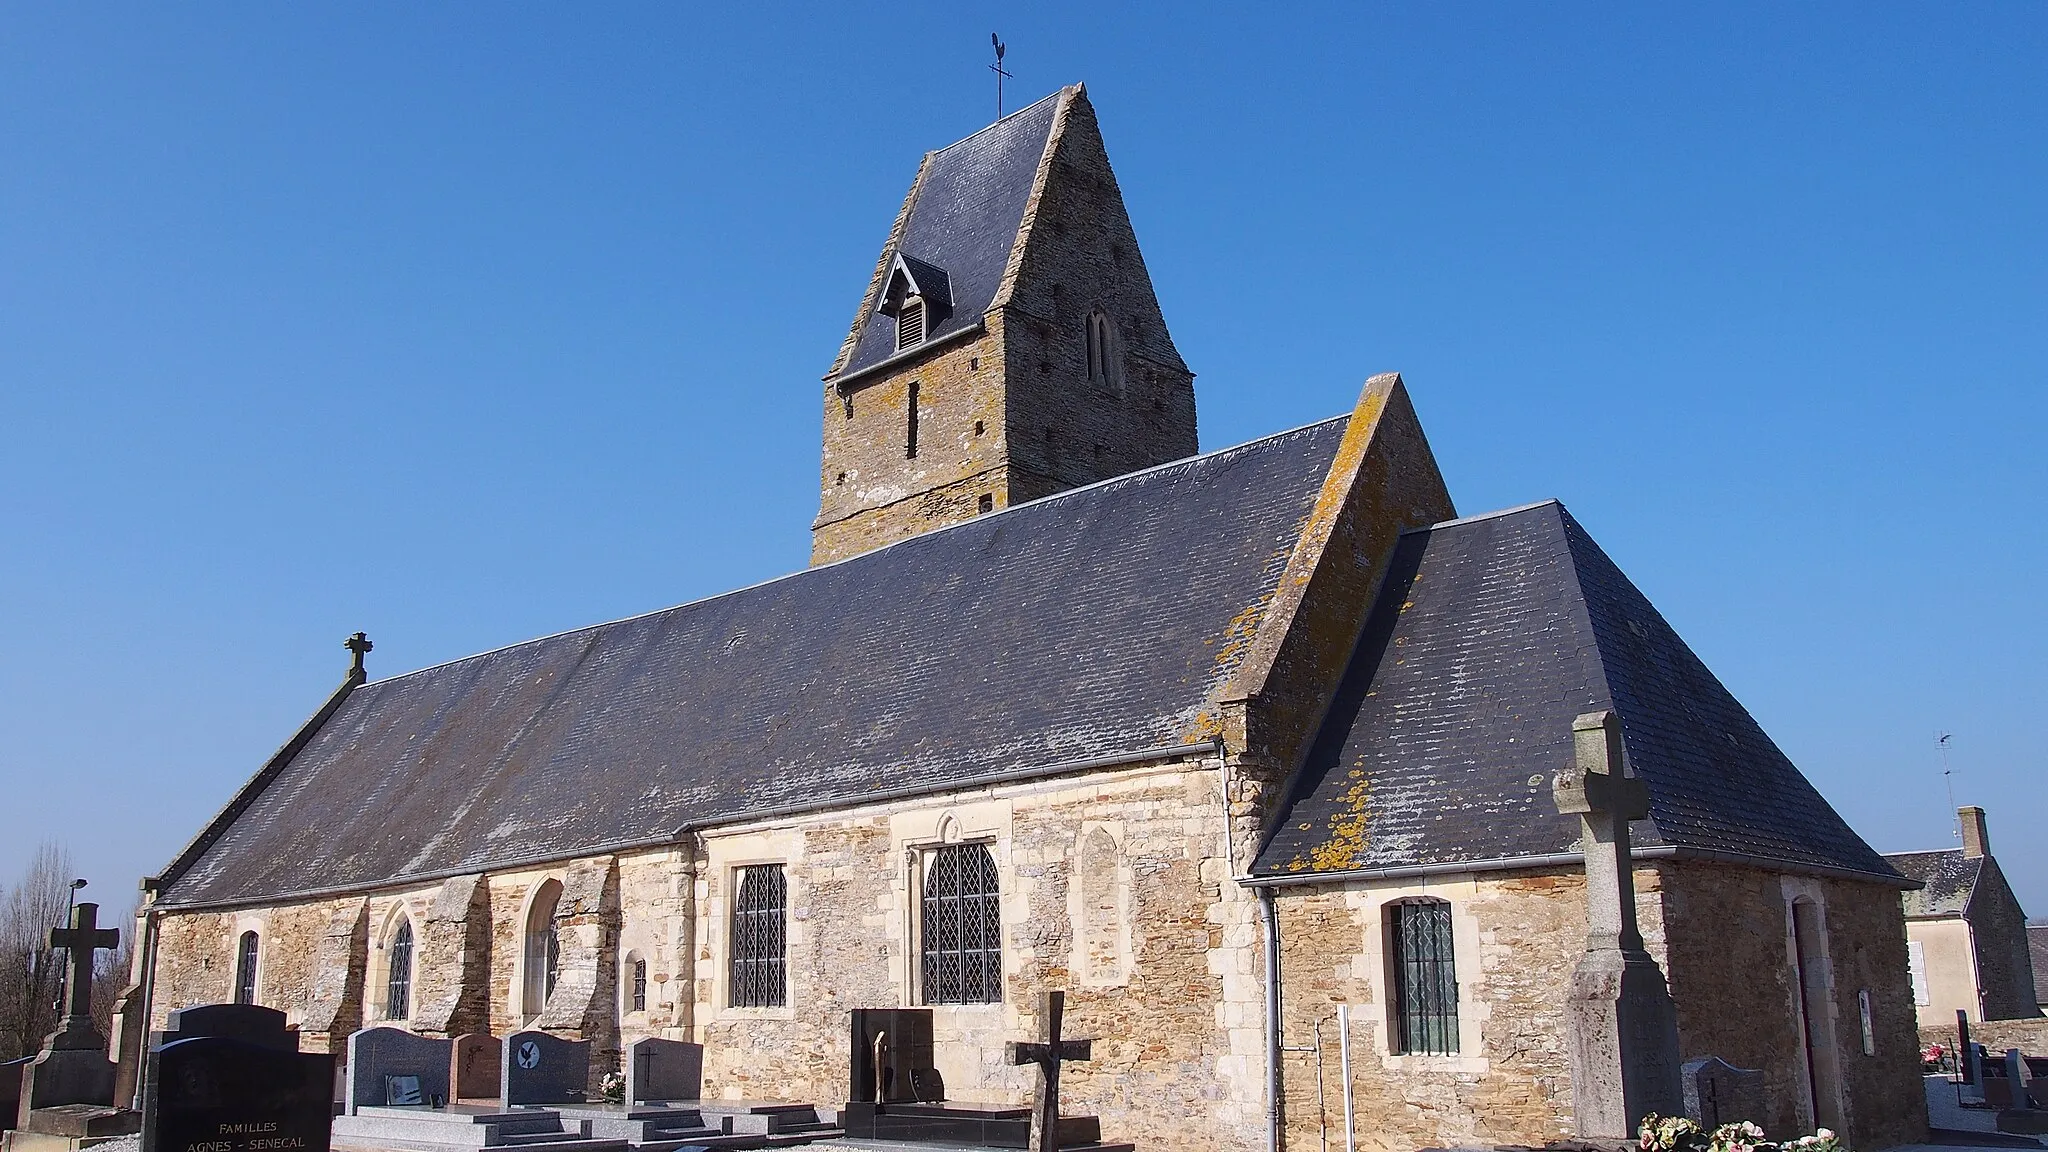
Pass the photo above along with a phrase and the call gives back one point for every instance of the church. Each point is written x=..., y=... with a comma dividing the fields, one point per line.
x=1217, y=743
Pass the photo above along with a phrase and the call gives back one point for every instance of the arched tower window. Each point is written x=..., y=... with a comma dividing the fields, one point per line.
x=245, y=968
x=1105, y=354
x=542, y=951
x=398, y=972
x=1423, y=971
x=963, y=927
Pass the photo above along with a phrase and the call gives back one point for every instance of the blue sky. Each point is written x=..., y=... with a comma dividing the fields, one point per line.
x=464, y=324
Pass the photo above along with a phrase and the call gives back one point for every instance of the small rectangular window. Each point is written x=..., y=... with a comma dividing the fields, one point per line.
x=910, y=437
x=759, y=938
x=1423, y=968
x=988, y=502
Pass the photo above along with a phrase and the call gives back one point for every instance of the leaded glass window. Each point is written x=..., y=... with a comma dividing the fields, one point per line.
x=543, y=951
x=398, y=984
x=963, y=927
x=1425, y=977
x=759, y=940
x=245, y=969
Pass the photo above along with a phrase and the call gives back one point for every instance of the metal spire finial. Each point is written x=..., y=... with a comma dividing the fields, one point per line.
x=997, y=68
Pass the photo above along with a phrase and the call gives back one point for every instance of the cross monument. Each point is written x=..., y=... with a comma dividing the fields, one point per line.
x=1048, y=1053
x=1623, y=1030
x=81, y=941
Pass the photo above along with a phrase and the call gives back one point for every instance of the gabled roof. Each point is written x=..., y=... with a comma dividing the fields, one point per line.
x=963, y=218
x=1948, y=880
x=1095, y=623
x=1490, y=636
x=918, y=279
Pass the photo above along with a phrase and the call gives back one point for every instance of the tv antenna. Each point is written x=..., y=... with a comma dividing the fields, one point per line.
x=997, y=68
x=1941, y=740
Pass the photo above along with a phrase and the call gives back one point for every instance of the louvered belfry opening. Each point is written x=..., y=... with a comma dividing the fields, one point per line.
x=245, y=969
x=963, y=927
x=759, y=941
x=910, y=323
x=1424, y=971
x=398, y=982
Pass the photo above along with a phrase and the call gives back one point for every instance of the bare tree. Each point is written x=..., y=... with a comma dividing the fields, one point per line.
x=110, y=972
x=29, y=967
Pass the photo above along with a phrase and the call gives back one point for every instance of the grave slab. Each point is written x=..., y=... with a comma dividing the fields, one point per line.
x=1717, y=1092
x=246, y=1089
x=477, y=1068
x=387, y=1061
x=662, y=1070
x=542, y=1068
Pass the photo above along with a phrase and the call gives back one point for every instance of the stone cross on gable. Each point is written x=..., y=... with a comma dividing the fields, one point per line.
x=81, y=940
x=1622, y=1030
x=1048, y=1053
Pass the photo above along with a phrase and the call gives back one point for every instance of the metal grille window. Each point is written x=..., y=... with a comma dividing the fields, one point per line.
x=398, y=985
x=759, y=941
x=245, y=970
x=963, y=927
x=1425, y=977
x=639, y=986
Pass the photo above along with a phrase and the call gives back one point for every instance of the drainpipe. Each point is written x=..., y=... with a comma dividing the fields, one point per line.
x=1269, y=921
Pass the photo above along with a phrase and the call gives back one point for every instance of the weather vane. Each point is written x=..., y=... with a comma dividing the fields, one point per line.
x=997, y=68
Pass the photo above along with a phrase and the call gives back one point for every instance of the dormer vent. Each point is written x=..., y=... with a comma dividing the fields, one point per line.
x=910, y=323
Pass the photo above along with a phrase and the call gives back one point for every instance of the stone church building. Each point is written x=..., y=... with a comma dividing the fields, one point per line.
x=1062, y=703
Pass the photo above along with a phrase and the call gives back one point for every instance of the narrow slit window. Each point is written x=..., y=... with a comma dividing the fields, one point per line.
x=963, y=927
x=398, y=983
x=1425, y=978
x=245, y=969
x=636, y=984
x=760, y=939
x=910, y=323
x=910, y=431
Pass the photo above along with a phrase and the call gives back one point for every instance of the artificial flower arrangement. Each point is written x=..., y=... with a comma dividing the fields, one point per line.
x=1679, y=1134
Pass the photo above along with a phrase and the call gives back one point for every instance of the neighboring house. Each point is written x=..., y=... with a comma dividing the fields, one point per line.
x=2037, y=944
x=1967, y=937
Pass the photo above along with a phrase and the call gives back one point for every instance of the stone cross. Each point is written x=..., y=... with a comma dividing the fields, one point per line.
x=1623, y=1030
x=84, y=938
x=359, y=646
x=1048, y=1053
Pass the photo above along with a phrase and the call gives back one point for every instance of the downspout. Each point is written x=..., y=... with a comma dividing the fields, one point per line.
x=1269, y=921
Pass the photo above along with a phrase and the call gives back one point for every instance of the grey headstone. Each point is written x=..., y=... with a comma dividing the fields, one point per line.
x=2016, y=1075
x=1717, y=1092
x=475, y=1073
x=663, y=1070
x=541, y=1068
x=375, y=1053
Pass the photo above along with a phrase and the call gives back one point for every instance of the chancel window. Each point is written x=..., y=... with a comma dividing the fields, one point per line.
x=543, y=956
x=759, y=939
x=245, y=969
x=1423, y=969
x=962, y=927
x=398, y=981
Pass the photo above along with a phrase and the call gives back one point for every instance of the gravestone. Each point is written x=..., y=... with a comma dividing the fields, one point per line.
x=658, y=1071
x=11, y=1072
x=474, y=1073
x=231, y=1078
x=73, y=1067
x=1622, y=1029
x=892, y=1057
x=1048, y=1053
x=542, y=1068
x=1717, y=1092
x=390, y=1067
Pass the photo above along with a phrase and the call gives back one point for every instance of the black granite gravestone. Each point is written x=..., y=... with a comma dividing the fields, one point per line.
x=892, y=1057
x=10, y=1089
x=540, y=1068
x=658, y=1071
x=231, y=1078
x=383, y=1064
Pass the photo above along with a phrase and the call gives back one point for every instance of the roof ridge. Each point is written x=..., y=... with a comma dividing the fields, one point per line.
x=1042, y=501
x=1478, y=516
x=1053, y=95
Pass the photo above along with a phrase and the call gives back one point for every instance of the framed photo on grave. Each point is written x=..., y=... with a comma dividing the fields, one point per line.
x=401, y=1090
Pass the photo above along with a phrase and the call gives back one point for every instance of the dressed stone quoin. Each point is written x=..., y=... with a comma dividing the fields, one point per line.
x=1212, y=743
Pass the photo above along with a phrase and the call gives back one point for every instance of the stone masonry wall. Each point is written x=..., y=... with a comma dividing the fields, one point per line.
x=2005, y=965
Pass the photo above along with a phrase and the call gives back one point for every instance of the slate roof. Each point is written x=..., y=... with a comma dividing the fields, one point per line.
x=965, y=221
x=1948, y=880
x=1096, y=622
x=1492, y=634
x=2037, y=944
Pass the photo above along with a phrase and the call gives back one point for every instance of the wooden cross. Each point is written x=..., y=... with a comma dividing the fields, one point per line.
x=1048, y=1053
x=80, y=941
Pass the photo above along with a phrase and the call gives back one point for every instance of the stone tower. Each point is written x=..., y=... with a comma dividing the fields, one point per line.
x=1009, y=345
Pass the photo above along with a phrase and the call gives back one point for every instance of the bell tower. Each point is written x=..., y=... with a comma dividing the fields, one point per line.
x=1009, y=345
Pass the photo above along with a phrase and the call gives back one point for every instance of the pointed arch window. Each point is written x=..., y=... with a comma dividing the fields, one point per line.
x=542, y=956
x=1424, y=975
x=398, y=978
x=245, y=968
x=962, y=930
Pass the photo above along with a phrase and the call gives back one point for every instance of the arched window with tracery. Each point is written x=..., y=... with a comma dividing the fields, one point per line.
x=962, y=927
x=398, y=972
x=245, y=968
x=542, y=955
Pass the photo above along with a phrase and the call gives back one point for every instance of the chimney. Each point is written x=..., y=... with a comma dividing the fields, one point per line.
x=1976, y=840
